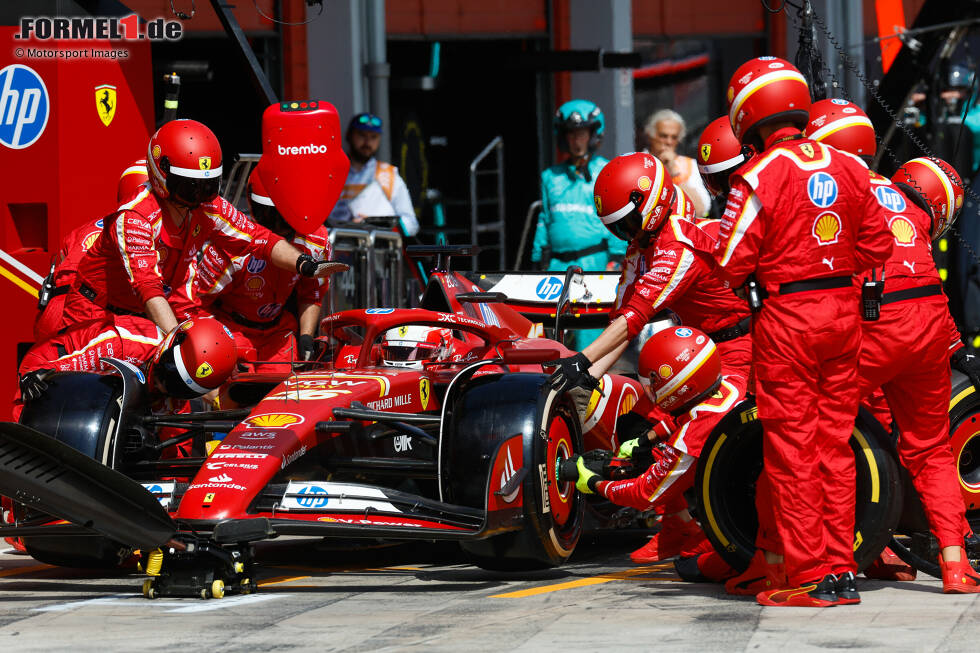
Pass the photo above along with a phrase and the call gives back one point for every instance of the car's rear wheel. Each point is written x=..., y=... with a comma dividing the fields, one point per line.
x=729, y=467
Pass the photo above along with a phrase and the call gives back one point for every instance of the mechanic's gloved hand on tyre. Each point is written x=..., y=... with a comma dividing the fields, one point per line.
x=572, y=372
x=968, y=364
x=32, y=384
x=307, y=347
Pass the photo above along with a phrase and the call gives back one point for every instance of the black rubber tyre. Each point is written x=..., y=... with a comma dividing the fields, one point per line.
x=81, y=410
x=729, y=467
x=487, y=413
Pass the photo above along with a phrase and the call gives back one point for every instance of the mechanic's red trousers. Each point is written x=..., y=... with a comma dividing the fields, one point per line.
x=665, y=482
x=906, y=352
x=805, y=351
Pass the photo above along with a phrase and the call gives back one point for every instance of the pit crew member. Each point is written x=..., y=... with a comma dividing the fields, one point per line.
x=806, y=336
x=150, y=244
x=249, y=296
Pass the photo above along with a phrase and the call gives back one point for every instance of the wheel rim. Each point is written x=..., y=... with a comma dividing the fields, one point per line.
x=966, y=448
x=560, y=493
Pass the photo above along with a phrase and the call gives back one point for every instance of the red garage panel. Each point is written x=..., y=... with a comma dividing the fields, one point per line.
x=462, y=18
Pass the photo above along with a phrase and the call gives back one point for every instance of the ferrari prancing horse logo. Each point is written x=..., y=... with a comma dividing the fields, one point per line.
x=705, y=152
x=424, y=390
x=105, y=103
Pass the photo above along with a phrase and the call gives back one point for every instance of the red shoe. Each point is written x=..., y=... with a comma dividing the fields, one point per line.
x=670, y=541
x=695, y=545
x=817, y=594
x=888, y=566
x=759, y=577
x=959, y=577
x=706, y=568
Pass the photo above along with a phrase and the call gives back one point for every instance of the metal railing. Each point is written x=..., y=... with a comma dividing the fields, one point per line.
x=532, y=214
x=496, y=227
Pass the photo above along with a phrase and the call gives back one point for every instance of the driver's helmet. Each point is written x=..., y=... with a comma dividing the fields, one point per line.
x=679, y=368
x=410, y=345
x=184, y=161
x=194, y=359
x=579, y=113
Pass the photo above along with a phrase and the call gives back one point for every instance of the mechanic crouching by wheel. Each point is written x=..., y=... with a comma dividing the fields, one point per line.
x=249, y=296
x=681, y=370
x=149, y=246
x=800, y=218
x=668, y=265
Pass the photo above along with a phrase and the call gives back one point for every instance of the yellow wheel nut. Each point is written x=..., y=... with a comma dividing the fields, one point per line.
x=239, y=567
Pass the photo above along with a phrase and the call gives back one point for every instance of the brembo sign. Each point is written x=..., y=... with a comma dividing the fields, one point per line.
x=312, y=148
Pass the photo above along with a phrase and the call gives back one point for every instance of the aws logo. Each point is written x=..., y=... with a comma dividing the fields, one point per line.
x=274, y=420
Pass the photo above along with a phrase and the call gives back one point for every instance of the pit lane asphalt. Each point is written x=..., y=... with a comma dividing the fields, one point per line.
x=314, y=596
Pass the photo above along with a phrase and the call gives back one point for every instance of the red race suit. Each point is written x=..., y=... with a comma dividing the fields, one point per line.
x=79, y=349
x=141, y=254
x=906, y=352
x=802, y=218
x=676, y=271
x=73, y=248
x=247, y=294
x=672, y=473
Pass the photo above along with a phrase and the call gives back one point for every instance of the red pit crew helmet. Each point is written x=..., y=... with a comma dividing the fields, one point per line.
x=184, y=160
x=766, y=90
x=410, y=345
x=683, y=206
x=194, y=359
x=304, y=167
x=633, y=193
x=679, y=367
x=134, y=176
x=843, y=125
x=264, y=210
x=936, y=186
x=719, y=155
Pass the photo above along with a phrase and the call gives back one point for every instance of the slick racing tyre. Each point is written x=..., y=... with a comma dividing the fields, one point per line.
x=489, y=414
x=729, y=467
x=81, y=410
x=916, y=545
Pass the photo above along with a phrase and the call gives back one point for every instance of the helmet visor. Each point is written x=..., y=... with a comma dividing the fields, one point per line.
x=405, y=352
x=628, y=227
x=191, y=191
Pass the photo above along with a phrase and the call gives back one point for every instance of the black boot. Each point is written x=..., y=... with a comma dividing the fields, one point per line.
x=847, y=591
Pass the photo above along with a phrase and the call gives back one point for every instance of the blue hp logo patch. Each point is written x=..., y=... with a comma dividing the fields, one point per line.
x=822, y=189
x=890, y=198
x=549, y=289
x=312, y=497
x=24, y=106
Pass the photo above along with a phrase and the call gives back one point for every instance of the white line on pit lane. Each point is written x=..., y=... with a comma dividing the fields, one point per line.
x=190, y=605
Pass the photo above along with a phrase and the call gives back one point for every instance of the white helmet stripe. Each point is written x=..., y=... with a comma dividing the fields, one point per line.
x=759, y=82
x=196, y=174
x=838, y=124
x=261, y=199
x=721, y=165
x=184, y=375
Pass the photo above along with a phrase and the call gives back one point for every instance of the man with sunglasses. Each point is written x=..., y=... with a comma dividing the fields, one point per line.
x=370, y=181
x=150, y=245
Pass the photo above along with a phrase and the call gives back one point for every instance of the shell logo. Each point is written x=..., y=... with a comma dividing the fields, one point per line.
x=627, y=404
x=254, y=283
x=903, y=230
x=162, y=254
x=731, y=94
x=644, y=183
x=273, y=420
x=826, y=228
x=705, y=152
x=90, y=240
x=156, y=151
x=665, y=371
x=959, y=202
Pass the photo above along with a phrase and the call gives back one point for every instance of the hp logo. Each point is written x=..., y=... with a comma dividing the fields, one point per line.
x=312, y=497
x=24, y=106
x=822, y=189
x=890, y=198
x=549, y=289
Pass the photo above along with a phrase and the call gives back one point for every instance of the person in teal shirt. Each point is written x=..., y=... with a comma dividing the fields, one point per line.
x=569, y=232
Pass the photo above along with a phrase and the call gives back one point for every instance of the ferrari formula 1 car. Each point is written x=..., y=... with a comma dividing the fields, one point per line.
x=464, y=448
